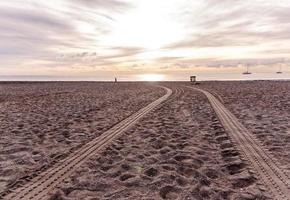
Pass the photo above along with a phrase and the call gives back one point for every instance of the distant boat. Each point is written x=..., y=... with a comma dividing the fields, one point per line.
x=280, y=71
x=247, y=72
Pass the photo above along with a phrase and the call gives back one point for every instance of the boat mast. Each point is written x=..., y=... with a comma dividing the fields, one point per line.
x=280, y=69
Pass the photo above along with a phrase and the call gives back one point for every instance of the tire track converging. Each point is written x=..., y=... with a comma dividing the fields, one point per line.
x=40, y=187
x=275, y=179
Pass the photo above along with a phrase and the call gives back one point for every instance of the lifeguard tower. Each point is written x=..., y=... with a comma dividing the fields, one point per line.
x=193, y=80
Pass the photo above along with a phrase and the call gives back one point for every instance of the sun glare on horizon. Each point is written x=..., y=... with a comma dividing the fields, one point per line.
x=151, y=77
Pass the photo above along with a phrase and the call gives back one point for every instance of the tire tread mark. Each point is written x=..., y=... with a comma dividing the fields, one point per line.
x=40, y=187
x=274, y=178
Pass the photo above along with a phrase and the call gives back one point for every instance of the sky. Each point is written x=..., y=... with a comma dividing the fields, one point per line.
x=144, y=39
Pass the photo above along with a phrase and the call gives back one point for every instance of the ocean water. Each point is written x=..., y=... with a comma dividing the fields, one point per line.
x=240, y=76
x=166, y=77
x=52, y=78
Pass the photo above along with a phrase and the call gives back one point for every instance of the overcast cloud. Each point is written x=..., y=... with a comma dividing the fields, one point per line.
x=123, y=35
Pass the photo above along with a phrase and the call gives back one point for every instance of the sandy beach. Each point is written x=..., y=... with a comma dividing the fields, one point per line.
x=264, y=108
x=178, y=151
x=42, y=123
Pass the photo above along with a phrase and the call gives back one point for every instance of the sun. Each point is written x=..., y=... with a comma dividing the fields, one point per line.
x=145, y=26
x=151, y=77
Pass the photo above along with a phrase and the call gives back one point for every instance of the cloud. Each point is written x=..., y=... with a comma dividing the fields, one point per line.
x=115, y=56
x=108, y=4
x=127, y=51
x=41, y=31
x=32, y=32
x=111, y=34
x=236, y=23
x=216, y=63
x=32, y=16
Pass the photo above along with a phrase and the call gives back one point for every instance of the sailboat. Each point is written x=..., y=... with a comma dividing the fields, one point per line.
x=247, y=72
x=280, y=71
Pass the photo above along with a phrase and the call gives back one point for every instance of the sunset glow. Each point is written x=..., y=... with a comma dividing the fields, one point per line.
x=151, y=77
x=79, y=37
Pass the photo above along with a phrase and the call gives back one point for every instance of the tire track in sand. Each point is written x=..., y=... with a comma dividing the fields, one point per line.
x=275, y=179
x=41, y=186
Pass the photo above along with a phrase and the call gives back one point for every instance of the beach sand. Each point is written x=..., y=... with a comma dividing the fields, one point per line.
x=180, y=151
x=42, y=123
x=264, y=108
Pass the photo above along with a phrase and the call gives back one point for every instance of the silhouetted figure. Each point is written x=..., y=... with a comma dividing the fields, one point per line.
x=116, y=80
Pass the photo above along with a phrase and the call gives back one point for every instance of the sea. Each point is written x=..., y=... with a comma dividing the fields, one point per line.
x=166, y=77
